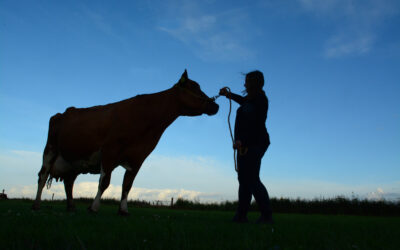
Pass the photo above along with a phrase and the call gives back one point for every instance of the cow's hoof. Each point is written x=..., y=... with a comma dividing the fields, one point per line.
x=123, y=213
x=91, y=211
x=35, y=207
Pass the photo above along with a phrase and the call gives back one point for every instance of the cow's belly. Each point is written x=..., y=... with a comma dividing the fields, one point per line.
x=63, y=167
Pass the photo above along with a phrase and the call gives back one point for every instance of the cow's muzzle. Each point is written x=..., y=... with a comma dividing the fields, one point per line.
x=212, y=108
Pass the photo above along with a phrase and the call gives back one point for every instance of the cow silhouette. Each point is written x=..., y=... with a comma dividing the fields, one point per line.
x=98, y=139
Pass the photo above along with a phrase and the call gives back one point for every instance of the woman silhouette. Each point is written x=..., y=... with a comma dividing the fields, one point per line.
x=251, y=141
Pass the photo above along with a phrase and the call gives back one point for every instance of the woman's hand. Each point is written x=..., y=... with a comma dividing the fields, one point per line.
x=224, y=91
x=237, y=144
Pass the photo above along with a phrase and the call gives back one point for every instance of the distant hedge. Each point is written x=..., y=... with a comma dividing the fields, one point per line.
x=337, y=205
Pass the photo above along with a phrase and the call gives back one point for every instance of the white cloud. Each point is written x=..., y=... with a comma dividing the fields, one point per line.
x=189, y=177
x=89, y=190
x=100, y=23
x=339, y=46
x=379, y=194
x=161, y=177
x=357, y=23
x=103, y=24
x=310, y=189
x=326, y=6
x=220, y=36
x=357, y=9
x=189, y=172
x=305, y=189
x=196, y=25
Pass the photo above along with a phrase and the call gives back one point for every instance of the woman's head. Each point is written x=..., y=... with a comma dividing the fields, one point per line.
x=254, y=82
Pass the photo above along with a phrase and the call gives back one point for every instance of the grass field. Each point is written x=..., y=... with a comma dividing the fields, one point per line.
x=164, y=228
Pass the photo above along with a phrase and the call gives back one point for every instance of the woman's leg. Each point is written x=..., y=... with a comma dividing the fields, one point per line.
x=262, y=198
x=257, y=187
x=244, y=193
x=244, y=197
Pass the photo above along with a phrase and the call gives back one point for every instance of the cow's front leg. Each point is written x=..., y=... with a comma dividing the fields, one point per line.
x=126, y=187
x=104, y=182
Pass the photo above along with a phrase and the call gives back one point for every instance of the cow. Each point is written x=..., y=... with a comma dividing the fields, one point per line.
x=98, y=139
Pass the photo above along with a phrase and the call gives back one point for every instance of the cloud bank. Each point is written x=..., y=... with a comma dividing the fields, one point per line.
x=190, y=177
x=380, y=194
x=160, y=178
x=89, y=190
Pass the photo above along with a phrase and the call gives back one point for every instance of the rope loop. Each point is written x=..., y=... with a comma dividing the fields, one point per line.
x=229, y=124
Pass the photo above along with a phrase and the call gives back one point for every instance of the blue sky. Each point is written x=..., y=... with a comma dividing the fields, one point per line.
x=332, y=77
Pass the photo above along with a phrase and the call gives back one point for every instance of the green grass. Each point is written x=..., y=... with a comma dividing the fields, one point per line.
x=163, y=228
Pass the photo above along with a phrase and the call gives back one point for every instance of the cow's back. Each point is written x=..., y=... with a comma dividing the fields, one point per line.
x=81, y=131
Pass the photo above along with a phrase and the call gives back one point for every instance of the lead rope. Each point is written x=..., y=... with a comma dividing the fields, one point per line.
x=229, y=124
x=230, y=129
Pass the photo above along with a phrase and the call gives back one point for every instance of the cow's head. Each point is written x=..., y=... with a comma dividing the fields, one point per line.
x=192, y=100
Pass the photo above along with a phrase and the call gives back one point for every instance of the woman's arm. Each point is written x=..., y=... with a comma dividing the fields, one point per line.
x=237, y=98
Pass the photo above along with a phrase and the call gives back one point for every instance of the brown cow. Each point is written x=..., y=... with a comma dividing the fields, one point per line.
x=100, y=138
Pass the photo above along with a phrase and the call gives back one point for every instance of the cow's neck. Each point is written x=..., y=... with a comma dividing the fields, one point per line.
x=165, y=108
x=169, y=106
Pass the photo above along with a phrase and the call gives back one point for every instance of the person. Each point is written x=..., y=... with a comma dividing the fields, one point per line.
x=251, y=139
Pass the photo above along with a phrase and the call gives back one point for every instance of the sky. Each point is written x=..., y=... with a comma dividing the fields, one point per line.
x=332, y=78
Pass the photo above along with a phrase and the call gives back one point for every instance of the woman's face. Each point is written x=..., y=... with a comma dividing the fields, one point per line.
x=246, y=84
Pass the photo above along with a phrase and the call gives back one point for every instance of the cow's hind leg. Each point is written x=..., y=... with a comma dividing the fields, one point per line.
x=68, y=185
x=48, y=160
x=104, y=182
x=126, y=187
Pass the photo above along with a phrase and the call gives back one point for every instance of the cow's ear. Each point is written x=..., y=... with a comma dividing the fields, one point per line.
x=184, y=77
